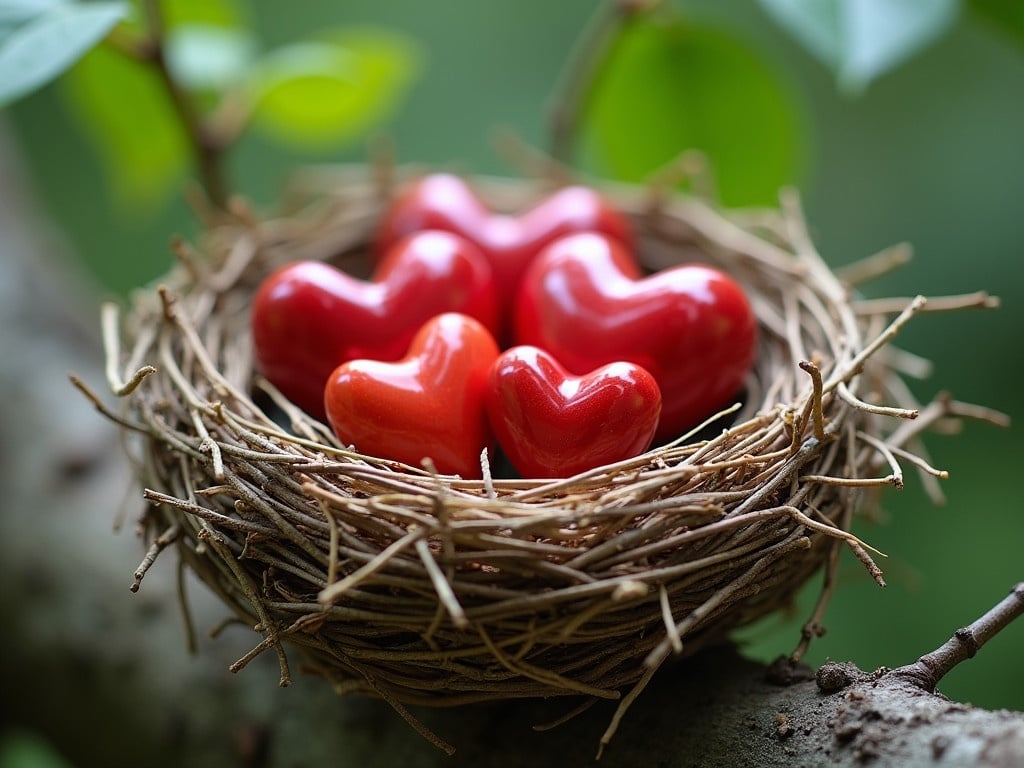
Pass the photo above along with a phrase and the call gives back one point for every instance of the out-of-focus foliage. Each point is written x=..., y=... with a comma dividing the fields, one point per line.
x=319, y=94
x=23, y=749
x=1008, y=15
x=126, y=114
x=670, y=86
x=310, y=94
x=860, y=40
x=40, y=40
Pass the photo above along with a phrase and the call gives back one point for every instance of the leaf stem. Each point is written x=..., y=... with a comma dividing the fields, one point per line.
x=207, y=146
x=583, y=69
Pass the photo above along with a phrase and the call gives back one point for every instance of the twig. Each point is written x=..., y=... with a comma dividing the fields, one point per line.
x=206, y=146
x=876, y=265
x=585, y=64
x=882, y=410
x=112, y=348
x=444, y=590
x=892, y=305
x=817, y=417
x=928, y=671
x=161, y=543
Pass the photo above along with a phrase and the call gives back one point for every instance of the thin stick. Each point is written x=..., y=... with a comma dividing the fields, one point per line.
x=886, y=453
x=890, y=333
x=207, y=534
x=206, y=147
x=882, y=410
x=98, y=404
x=876, y=265
x=112, y=352
x=670, y=622
x=332, y=592
x=976, y=300
x=919, y=462
x=191, y=643
x=561, y=720
x=583, y=71
x=816, y=411
x=441, y=586
x=161, y=543
x=928, y=670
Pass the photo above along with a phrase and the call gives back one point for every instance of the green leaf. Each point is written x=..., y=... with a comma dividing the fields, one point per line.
x=16, y=13
x=37, y=52
x=859, y=40
x=320, y=94
x=209, y=58
x=19, y=11
x=209, y=13
x=25, y=749
x=1007, y=15
x=123, y=108
x=669, y=87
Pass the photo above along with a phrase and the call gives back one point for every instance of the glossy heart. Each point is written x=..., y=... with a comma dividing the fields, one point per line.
x=431, y=403
x=553, y=424
x=444, y=201
x=309, y=317
x=691, y=326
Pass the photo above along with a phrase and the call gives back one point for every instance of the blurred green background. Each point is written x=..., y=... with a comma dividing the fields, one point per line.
x=931, y=152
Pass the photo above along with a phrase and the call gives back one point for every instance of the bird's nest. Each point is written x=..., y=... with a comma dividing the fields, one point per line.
x=431, y=590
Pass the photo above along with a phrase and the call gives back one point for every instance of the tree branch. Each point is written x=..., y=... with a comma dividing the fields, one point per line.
x=583, y=69
x=928, y=670
x=207, y=145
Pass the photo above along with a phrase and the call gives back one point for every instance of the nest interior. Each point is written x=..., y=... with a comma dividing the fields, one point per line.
x=433, y=590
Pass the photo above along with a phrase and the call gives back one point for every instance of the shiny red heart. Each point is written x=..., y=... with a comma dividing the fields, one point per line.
x=309, y=317
x=691, y=326
x=429, y=404
x=444, y=201
x=553, y=424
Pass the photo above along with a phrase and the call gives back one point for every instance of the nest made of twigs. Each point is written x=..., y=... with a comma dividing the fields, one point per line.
x=432, y=590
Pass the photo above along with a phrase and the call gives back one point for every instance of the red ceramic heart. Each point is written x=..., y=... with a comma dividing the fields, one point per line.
x=444, y=201
x=553, y=424
x=691, y=326
x=309, y=317
x=429, y=404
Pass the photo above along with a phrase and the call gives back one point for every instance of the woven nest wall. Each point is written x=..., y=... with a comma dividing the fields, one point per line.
x=432, y=590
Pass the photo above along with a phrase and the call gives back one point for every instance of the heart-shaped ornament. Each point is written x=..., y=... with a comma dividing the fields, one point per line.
x=429, y=404
x=444, y=201
x=551, y=423
x=691, y=326
x=309, y=317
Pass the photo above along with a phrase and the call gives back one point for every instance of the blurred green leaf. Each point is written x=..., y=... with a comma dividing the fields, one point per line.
x=23, y=749
x=859, y=40
x=122, y=107
x=14, y=13
x=319, y=94
x=209, y=58
x=37, y=52
x=208, y=13
x=1008, y=15
x=669, y=87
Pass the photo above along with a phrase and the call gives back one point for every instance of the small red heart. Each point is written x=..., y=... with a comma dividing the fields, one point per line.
x=429, y=404
x=444, y=201
x=553, y=424
x=691, y=326
x=310, y=317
